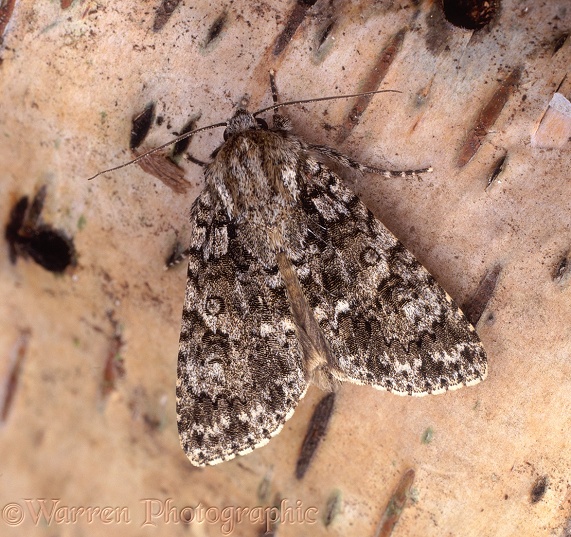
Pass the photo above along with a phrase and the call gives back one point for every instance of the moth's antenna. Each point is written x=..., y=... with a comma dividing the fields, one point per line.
x=154, y=150
x=273, y=107
x=289, y=103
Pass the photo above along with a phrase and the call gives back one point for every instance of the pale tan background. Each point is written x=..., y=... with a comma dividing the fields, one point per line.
x=70, y=82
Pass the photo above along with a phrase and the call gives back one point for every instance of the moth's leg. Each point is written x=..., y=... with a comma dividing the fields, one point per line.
x=177, y=256
x=348, y=162
x=274, y=88
x=194, y=160
x=280, y=122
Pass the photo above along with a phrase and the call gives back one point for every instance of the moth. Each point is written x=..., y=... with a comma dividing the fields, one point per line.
x=293, y=281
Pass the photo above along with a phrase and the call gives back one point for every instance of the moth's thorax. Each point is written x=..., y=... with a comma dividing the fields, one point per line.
x=255, y=172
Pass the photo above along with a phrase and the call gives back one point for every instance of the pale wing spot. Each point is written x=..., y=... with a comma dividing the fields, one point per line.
x=266, y=329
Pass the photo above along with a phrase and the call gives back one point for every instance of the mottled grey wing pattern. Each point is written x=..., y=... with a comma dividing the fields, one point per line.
x=302, y=283
x=387, y=321
x=240, y=373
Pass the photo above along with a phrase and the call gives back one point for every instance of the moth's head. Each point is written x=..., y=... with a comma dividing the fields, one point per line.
x=242, y=121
